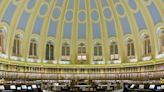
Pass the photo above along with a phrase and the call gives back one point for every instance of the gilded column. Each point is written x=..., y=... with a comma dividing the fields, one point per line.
x=60, y=31
x=74, y=34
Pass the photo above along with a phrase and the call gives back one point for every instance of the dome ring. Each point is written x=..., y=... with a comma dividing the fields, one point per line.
x=43, y=12
x=120, y=9
x=82, y=13
x=110, y=17
x=130, y=5
x=30, y=8
x=95, y=16
x=54, y=16
x=67, y=17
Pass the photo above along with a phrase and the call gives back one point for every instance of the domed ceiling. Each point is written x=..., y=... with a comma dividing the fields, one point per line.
x=70, y=16
x=82, y=20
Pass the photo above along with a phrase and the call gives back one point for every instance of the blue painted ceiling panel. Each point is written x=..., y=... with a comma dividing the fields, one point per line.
x=23, y=20
x=96, y=30
x=125, y=25
x=93, y=4
x=82, y=4
x=154, y=13
x=81, y=31
x=9, y=13
x=104, y=3
x=38, y=25
x=71, y=4
x=31, y=4
x=53, y=28
x=111, y=28
x=67, y=30
x=140, y=20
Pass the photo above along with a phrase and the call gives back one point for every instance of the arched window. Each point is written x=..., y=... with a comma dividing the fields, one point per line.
x=49, y=51
x=2, y=38
x=162, y=42
x=65, y=51
x=97, y=51
x=130, y=49
x=114, y=51
x=17, y=46
x=81, y=51
x=33, y=49
x=147, y=46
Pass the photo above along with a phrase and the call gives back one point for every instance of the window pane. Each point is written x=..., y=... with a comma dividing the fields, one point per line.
x=111, y=49
x=14, y=48
x=18, y=47
x=79, y=50
x=116, y=49
x=133, y=50
x=149, y=47
x=162, y=43
x=30, y=52
x=63, y=51
x=83, y=50
x=47, y=52
x=52, y=52
x=145, y=48
x=35, y=49
x=100, y=51
x=95, y=51
x=128, y=48
x=68, y=51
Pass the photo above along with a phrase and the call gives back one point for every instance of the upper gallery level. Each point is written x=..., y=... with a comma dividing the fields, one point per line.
x=81, y=32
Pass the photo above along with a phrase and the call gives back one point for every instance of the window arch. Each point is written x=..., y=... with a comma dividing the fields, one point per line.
x=2, y=40
x=65, y=51
x=82, y=51
x=49, y=51
x=33, y=49
x=147, y=45
x=97, y=51
x=161, y=41
x=114, y=51
x=130, y=49
x=17, y=45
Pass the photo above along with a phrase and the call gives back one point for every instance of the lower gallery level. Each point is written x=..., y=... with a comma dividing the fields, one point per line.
x=132, y=77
